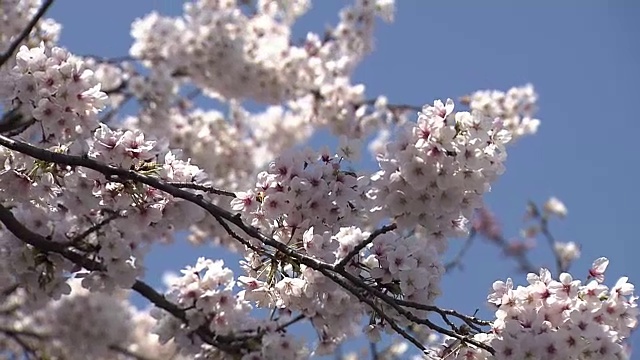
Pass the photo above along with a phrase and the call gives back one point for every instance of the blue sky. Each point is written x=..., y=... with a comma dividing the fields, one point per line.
x=583, y=62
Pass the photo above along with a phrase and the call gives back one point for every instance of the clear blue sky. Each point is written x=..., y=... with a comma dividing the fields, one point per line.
x=583, y=62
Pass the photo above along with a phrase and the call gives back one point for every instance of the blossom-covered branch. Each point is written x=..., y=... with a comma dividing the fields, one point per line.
x=86, y=192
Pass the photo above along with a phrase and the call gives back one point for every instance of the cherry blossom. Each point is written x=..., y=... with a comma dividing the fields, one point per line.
x=87, y=192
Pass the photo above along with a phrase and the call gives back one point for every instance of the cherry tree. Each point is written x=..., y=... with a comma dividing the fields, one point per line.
x=87, y=191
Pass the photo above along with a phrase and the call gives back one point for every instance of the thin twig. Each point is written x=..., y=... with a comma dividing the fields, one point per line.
x=243, y=241
x=83, y=235
x=291, y=322
x=456, y=262
x=471, y=321
x=114, y=110
x=27, y=350
x=544, y=229
x=110, y=60
x=522, y=259
x=13, y=120
x=395, y=107
x=367, y=300
x=356, y=250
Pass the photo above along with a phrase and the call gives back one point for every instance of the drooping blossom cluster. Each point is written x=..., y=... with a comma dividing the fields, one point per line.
x=206, y=291
x=563, y=319
x=435, y=171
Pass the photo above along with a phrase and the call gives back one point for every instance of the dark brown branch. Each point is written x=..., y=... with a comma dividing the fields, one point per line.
x=9, y=290
x=205, y=188
x=13, y=122
x=367, y=300
x=123, y=175
x=395, y=304
x=118, y=174
x=27, y=350
x=296, y=319
x=25, y=32
x=243, y=241
x=114, y=110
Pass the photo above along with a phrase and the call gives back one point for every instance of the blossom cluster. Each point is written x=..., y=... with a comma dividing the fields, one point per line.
x=515, y=108
x=106, y=326
x=432, y=176
x=64, y=97
x=306, y=201
x=560, y=318
x=234, y=55
x=206, y=291
x=56, y=89
x=434, y=172
x=300, y=190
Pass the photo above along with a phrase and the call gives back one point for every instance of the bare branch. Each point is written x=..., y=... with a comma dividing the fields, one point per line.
x=114, y=110
x=205, y=188
x=395, y=304
x=374, y=351
x=524, y=263
x=456, y=262
x=367, y=300
x=395, y=107
x=83, y=235
x=544, y=229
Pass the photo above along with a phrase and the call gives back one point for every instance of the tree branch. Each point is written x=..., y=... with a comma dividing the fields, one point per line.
x=41, y=243
x=25, y=32
x=83, y=235
x=544, y=229
x=205, y=188
x=332, y=272
x=356, y=250
x=457, y=260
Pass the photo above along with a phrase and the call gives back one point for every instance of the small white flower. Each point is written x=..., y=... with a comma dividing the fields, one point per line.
x=554, y=206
